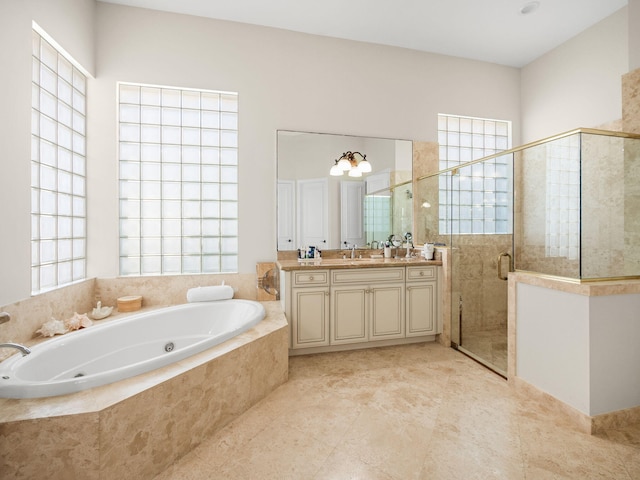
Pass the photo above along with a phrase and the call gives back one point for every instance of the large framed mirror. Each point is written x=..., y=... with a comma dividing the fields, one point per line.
x=335, y=212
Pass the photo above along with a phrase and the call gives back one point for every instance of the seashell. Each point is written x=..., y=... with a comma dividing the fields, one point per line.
x=52, y=327
x=77, y=321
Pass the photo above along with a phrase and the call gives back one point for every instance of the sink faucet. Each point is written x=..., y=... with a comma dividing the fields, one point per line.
x=353, y=250
x=25, y=351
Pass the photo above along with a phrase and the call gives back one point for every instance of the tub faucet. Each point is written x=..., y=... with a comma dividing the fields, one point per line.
x=24, y=350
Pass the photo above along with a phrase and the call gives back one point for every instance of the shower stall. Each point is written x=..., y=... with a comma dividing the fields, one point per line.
x=563, y=207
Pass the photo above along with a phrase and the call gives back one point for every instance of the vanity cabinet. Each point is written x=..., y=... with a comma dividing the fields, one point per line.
x=422, y=312
x=334, y=308
x=366, y=305
x=310, y=309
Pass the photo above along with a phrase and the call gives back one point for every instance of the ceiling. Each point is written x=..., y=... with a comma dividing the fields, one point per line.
x=488, y=30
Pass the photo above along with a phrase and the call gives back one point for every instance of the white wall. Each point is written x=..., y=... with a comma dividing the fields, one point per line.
x=552, y=343
x=634, y=34
x=614, y=353
x=582, y=350
x=285, y=80
x=70, y=22
x=578, y=83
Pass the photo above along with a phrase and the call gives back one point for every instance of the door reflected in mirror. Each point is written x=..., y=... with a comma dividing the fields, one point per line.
x=348, y=207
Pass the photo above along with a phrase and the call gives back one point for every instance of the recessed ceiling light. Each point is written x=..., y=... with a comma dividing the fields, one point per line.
x=529, y=8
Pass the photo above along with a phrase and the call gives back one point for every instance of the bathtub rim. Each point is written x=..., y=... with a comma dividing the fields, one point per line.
x=97, y=399
x=39, y=388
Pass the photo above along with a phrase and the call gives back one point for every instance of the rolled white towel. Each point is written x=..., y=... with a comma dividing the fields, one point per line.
x=209, y=294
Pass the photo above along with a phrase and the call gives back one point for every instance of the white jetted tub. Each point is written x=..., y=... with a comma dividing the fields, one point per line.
x=120, y=349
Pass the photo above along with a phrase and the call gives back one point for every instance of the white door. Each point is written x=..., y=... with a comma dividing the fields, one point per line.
x=312, y=212
x=286, y=215
x=352, y=214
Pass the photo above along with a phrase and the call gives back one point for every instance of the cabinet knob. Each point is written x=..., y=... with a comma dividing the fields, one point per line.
x=326, y=293
x=421, y=273
x=310, y=277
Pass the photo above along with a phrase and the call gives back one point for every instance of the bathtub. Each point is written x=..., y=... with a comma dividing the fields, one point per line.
x=119, y=349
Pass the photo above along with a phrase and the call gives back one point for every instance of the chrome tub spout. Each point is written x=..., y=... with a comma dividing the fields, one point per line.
x=24, y=350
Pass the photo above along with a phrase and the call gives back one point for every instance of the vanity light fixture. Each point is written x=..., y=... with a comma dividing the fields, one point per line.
x=349, y=163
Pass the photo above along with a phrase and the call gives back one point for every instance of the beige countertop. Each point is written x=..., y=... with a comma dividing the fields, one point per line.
x=364, y=262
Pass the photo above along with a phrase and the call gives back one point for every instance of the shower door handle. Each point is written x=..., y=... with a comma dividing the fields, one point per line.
x=500, y=257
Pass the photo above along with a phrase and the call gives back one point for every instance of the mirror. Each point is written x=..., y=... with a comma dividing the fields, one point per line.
x=333, y=212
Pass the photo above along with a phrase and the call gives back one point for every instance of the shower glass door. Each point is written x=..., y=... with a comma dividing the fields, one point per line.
x=481, y=239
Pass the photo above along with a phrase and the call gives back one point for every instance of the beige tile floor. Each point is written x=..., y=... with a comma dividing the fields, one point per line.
x=489, y=344
x=410, y=412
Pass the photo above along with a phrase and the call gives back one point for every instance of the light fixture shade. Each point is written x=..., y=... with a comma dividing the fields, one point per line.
x=364, y=166
x=344, y=164
x=336, y=171
x=355, y=172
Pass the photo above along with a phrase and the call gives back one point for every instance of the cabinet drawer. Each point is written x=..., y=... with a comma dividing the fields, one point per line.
x=420, y=273
x=367, y=275
x=310, y=278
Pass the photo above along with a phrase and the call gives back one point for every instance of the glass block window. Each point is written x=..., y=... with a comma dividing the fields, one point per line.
x=377, y=217
x=562, y=232
x=58, y=166
x=178, y=156
x=479, y=198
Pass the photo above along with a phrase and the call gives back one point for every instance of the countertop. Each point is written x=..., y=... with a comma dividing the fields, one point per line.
x=365, y=262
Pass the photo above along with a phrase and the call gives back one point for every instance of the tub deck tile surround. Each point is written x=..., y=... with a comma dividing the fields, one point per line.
x=137, y=427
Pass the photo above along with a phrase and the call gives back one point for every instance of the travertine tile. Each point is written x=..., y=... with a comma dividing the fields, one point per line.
x=631, y=102
x=413, y=411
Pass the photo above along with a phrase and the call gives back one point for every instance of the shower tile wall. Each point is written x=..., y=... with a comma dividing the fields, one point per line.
x=603, y=207
x=631, y=102
x=425, y=220
x=632, y=207
x=530, y=216
x=610, y=229
x=475, y=272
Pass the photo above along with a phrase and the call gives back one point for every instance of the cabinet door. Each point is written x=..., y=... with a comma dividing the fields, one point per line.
x=310, y=317
x=349, y=315
x=387, y=311
x=421, y=309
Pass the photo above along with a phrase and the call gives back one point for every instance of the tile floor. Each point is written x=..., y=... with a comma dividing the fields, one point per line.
x=489, y=344
x=410, y=412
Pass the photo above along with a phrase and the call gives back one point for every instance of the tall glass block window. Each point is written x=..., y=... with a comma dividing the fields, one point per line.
x=479, y=200
x=178, y=155
x=562, y=232
x=58, y=165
